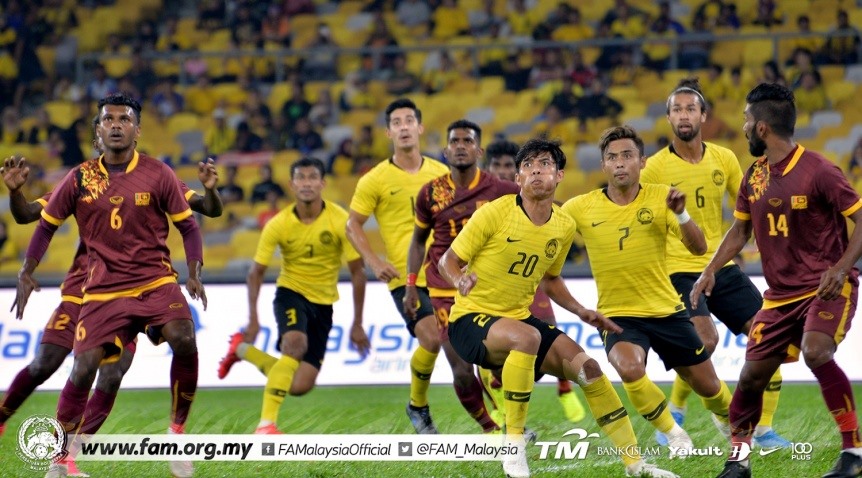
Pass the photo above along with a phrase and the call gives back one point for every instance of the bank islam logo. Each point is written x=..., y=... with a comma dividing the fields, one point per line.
x=40, y=440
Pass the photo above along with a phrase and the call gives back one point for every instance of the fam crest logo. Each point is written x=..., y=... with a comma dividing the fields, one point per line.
x=551, y=248
x=326, y=238
x=717, y=177
x=41, y=441
x=645, y=215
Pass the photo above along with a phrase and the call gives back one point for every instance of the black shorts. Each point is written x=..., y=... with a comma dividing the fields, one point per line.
x=293, y=312
x=424, y=310
x=734, y=300
x=673, y=338
x=468, y=333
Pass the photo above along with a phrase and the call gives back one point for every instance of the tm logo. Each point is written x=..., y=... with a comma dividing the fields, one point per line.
x=564, y=449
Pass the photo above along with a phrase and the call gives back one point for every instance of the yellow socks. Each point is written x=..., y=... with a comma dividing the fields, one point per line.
x=277, y=387
x=611, y=416
x=518, y=380
x=260, y=359
x=770, y=399
x=679, y=392
x=719, y=403
x=421, y=366
x=650, y=402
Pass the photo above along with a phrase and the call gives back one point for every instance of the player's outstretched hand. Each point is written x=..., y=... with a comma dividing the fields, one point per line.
x=15, y=172
x=466, y=283
x=359, y=339
x=675, y=200
x=599, y=321
x=831, y=283
x=207, y=173
x=196, y=290
x=384, y=271
x=411, y=302
x=26, y=285
x=704, y=286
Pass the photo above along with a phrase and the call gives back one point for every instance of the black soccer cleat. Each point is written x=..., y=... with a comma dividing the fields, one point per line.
x=848, y=465
x=734, y=469
x=420, y=417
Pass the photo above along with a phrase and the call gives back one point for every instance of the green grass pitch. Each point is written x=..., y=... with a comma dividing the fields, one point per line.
x=801, y=417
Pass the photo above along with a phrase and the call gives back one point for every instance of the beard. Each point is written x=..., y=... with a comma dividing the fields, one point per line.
x=756, y=145
x=464, y=167
x=687, y=135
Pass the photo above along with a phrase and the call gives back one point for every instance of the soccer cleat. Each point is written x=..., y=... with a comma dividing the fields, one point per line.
x=679, y=418
x=515, y=465
x=420, y=417
x=57, y=470
x=572, y=407
x=771, y=439
x=180, y=469
x=270, y=429
x=724, y=428
x=644, y=469
x=848, y=465
x=73, y=469
x=498, y=416
x=735, y=469
x=231, y=357
x=678, y=439
x=2, y=428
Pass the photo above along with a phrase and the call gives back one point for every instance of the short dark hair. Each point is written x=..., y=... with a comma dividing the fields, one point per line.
x=308, y=162
x=690, y=86
x=537, y=146
x=122, y=99
x=97, y=120
x=501, y=148
x=615, y=133
x=402, y=103
x=773, y=104
x=465, y=124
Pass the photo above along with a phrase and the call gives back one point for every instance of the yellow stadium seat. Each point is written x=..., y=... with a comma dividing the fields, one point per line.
x=217, y=256
x=62, y=113
x=840, y=91
x=831, y=73
x=757, y=52
x=244, y=242
x=181, y=122
x=727, y=53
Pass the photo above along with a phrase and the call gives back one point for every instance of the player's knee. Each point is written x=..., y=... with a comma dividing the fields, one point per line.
x=590, y=372
x=183, y=344
x=816, y=356
x=294, y=345
x=710, y=343
x=631, y=371
x=110, y=378
x=752, y=381
x=84, y=369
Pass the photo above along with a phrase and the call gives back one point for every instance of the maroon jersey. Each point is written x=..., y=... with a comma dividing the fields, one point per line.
x=446, y=209
x=797, y=209
x=123, y=220
x=73, y=283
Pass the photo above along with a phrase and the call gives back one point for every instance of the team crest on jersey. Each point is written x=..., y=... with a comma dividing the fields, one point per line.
x=775, y=202
x=116, y=200
x=551, y=248
x=441, y=194
x=326, y=237
x=799, y=202
x=142, y=199
x=758, y=180
x=92, y=183
x=645, y=215
x=717, y=177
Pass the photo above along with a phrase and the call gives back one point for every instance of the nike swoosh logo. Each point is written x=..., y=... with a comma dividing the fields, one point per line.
x=519, y=396
x=673, y=185
x=509, y=239
x=700, y=350
x=394, y=192
x=616, y=415
x=597, y=223
x=764, y=452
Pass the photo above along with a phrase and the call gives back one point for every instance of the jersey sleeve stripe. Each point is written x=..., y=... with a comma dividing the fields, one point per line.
x=850, y=210
x=742, y=216
x=53, y=220
x=180, y=216
x=42, y=202
x=422, y=224
x=189, y=194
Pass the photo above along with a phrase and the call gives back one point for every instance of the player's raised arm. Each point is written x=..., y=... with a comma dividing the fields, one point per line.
x=383, y=270
x=357, y=333
x=210, y=204
x=735, y=239
x=15, y=172
x=692, y=236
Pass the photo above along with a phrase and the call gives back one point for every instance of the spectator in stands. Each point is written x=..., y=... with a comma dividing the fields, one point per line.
x=275, y=26
x=728, y=17
x=855, y=165
x=771, y=73
x=516, y=75
x=483, y=19
x=842, y=42
x=71, y=154
x=230, y=191
x=272, y=208
x=40, y=133
x=581, y=73
x=610, y=54
x=244, y=28
x=628, y=24
x=166, y=101
x=597, y=104
x=737, y=90
x=694, y=54
x=220, y=137
x=440, y=77
x=172, y=39
x=211, y=14
x=491, y=59
x=547, y=66
x=411, y=13
x=200, y=97
x=572, y=27
x=810, y=95
x=10, y=127
x=101, y=85
x=657, y=55
x=401, y=81
x=298, y=7
x=521, y=19
x=566, y=100
x=119, y=64
x=368, y=145
x=621, y=9
x=768, y=14
x=341, y=163
x=357, y=96
x=255, y=105
x=65, y=90
x=709, y=11
x=246, y=140
x=146, y=37
x=195, y=66
x=813, y=43
x=322, y=60
x=304, y=138
x=277, y=135
x=553, y=127
x=450, y=20
x=265, y=185
x=324, y=111
x=664, y=12
x=296, y=107
x=31, y=75
x=142, y=75
x=802, y=61
x=381, y=37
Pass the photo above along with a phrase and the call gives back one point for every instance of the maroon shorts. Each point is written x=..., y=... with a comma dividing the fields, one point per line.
x=541, y=307
x=779, y=331
x=116, y=322
x=442, y=306
x=60, y=330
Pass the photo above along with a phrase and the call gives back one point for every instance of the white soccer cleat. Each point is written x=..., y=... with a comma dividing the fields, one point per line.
x=180, y=469
x=678, y=439
x=644, y=469
x=724, y=428
x=57, y=470
x=515, y=466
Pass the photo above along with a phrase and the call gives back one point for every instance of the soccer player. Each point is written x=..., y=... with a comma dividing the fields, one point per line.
x=443, y=206
x=311, y=237
x=706, y=171
x=507, y=249
x=796, y=202
x=121, y=202
x=389, y=192
x=626, y=227
x=500, y=157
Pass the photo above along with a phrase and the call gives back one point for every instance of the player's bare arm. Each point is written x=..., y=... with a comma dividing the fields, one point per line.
x=415, y=256
x=692, y=236
x=358, y=337
x=832, y=281
x=210, y=204
x=559, y=293
x=253, y=282
x=26, y=285
x=383, y=270
x=194, y=286
x=15, y=173
x=453, y=268
x=735, y=239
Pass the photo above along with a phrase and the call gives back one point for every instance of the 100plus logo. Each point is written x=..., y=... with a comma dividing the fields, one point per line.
x=801, y=451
